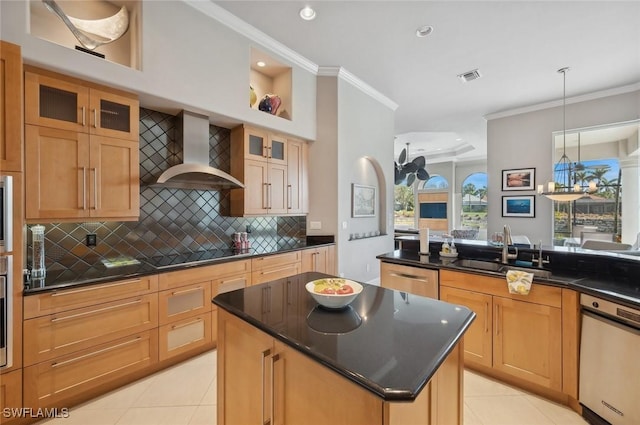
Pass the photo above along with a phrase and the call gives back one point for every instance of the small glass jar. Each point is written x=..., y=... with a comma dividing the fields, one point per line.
x=37, y=259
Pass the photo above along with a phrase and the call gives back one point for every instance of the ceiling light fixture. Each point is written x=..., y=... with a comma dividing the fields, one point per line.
x=261, y=64
x=564, y=187
x=424, y=31
x=307, y=13
x=410, y=170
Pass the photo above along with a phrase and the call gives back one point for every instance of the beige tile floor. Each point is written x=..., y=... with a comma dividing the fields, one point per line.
x=185, y=394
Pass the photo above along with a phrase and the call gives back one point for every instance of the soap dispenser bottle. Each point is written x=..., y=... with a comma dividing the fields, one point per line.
x=453, y=248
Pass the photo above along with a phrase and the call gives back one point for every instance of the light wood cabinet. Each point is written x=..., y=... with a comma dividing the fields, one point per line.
x=319, y=259
x=10, y=393
x=414, y=280
x=478, y=347
x=523, y=331
x=183, y=336
x=273, y=170
x=66, y=299
x=57, y=101
x=53, y=382
x=297, y=177
x=261, y=380
x=271, y=267
x=81, y=150
x=70, y=176
x=10, y=107
x=51, y=336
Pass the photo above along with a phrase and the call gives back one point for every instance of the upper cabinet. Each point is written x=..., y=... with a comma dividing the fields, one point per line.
x=69, y=104
x=81, y=150
x=273, y=169
x=10, y=107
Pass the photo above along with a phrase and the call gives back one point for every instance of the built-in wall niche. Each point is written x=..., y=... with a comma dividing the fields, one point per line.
x=270, y=77
x=126, y=50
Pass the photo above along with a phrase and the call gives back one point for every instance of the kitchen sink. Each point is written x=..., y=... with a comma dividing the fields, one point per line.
x=493, y=266
x=479, y=264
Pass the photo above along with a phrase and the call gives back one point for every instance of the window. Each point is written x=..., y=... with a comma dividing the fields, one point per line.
x=474, y=201
x=404, y=206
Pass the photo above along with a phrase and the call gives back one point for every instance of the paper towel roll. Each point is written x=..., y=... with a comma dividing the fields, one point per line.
x=424, y=240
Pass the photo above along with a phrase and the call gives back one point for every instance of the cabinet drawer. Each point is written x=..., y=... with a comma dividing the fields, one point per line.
x=414, y=280
x=268, y=261
x=230, y=283
x=185, y=335
x=52, y=382
x=200, y=274
x=276, y=272
x=63, y=333
x=539, y=294
x=65, y=299
x=185, y=301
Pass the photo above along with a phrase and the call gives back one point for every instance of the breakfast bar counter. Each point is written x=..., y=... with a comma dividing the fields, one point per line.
x=389, y=357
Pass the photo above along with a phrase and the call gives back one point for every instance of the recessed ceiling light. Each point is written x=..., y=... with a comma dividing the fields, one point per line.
x=307, y=13
x=424, y=31
x=261, y=64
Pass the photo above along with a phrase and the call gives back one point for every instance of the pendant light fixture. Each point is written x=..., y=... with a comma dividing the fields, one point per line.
x=564, y=186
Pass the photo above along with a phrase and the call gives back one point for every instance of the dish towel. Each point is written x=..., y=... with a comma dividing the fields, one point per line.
x=519, y=282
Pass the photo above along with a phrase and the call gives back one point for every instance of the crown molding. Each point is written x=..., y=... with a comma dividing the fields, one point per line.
x=238, y=25
x=340, y=72
x=556, y=103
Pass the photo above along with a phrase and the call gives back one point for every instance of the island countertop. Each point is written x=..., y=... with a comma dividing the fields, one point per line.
x=390, y=343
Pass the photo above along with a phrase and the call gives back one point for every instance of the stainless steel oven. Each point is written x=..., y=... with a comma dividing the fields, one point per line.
x=6, y=318
x=6, y=213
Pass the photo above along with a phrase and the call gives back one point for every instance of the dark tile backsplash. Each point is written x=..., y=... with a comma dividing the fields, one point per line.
x=171, y=221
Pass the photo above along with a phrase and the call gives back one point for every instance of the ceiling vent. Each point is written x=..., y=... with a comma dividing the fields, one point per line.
x=465, y=77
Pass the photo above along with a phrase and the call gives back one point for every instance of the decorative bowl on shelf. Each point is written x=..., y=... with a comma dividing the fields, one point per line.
x=334, y=293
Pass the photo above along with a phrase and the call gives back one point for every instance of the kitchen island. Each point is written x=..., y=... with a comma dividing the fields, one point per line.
x=388, y=358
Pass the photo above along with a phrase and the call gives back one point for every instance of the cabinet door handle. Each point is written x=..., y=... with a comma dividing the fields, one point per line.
x=497, y=313
x=409, y=276
x=270, y=193
x=187, y=324
x=88, y=313
x=93, y=288
x=265, y=151
x=84, y=119
x=95, y=188
x=186, y=291
x=274, y=359
x=104, y=350
x=486, y=317
x=265, y=194
x=269, y=152
x=84, y=188
x=265, y=354
x=315, y=261
x=289, y=195
x=95, y=118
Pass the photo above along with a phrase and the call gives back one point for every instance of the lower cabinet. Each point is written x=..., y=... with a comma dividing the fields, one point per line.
x=261, y=380
x=10, y=393
x=510, y=334
x=55, y=382
x=184, y=335
x=272, y=267
x=320, y=259
x=413, y=280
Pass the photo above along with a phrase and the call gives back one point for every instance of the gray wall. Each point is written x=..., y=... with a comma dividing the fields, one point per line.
x=524, y=141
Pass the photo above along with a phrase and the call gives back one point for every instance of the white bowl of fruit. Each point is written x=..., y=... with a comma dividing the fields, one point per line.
x=333, y=292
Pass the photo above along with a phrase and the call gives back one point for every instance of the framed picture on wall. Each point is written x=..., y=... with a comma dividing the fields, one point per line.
x=519, y=179
x=363, y=200
x=519, y=206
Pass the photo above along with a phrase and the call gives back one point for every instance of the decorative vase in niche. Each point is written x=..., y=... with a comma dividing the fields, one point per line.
x=270, y=103
x=253, y=97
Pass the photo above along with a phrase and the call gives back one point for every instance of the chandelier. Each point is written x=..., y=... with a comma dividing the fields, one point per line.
x=564, y=187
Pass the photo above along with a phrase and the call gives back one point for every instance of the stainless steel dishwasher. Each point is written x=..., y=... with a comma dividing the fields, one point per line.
x=609, y=362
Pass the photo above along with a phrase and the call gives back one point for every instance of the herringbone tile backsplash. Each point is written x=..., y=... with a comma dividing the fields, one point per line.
x=172, y=221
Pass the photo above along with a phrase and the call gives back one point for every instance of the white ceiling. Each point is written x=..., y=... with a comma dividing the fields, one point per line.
x=517, y=46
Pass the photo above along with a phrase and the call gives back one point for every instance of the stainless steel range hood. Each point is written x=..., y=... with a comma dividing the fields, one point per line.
x=195, y=171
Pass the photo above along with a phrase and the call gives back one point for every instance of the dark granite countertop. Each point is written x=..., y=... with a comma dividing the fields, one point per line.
x=388, y=342
x=613, y=278
x=89, y=274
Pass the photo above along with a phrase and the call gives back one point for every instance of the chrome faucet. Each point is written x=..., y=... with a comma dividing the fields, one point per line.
x=506, y=242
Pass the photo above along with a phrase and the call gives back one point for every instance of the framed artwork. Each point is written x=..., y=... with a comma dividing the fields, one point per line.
x=519, y=179
x=519, y=206
x=363, y=200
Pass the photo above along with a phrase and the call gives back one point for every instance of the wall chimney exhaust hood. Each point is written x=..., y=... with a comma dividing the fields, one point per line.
x=195, y=172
